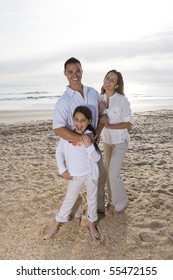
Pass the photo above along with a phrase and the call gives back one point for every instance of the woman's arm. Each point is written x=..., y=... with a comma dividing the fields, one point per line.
x=123, y=125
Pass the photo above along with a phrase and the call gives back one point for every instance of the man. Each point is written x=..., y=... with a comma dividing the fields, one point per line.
x=77, y=94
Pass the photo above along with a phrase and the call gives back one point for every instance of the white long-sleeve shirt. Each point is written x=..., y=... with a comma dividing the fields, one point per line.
x=77, y=159
x=118, y=111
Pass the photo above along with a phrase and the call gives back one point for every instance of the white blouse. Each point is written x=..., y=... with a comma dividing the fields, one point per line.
x=118, y=111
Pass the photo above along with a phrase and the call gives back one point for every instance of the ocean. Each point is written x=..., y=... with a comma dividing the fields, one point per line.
x=143, y=97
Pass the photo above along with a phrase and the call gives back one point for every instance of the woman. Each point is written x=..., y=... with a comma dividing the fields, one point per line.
x=117, y=120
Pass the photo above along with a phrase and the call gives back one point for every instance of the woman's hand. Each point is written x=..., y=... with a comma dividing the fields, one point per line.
x=102, y=106
x=105, y=120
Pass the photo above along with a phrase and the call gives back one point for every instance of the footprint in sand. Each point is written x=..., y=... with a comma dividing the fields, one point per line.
x=147, y=236
x=153, y=233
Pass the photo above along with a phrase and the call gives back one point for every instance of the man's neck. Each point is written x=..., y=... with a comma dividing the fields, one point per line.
x=78, y=88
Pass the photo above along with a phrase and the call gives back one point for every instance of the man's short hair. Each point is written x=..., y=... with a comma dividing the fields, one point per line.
x=70, y=61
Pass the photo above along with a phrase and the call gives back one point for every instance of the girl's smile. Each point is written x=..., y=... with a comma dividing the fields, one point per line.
x=80, y=122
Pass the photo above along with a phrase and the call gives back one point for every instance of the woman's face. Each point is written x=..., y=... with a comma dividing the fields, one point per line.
x=110, y=82
x=80, y=122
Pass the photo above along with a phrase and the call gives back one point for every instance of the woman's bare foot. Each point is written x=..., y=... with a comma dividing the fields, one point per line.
x=52, y=231
x=108, y=212
x=76, y=221
x=93, y=231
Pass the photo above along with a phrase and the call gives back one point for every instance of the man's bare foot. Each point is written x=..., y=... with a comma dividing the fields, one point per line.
x=76, y=221
x=52, y=231
x=93, y=231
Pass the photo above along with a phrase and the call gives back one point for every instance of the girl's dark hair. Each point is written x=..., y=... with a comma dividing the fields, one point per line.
x=88, y=114
x=120, y=82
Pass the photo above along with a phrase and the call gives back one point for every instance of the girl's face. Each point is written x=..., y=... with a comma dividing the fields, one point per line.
x=80, y=122
x=110, y=82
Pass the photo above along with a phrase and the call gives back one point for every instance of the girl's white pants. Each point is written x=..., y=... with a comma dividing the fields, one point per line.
x=74, y=187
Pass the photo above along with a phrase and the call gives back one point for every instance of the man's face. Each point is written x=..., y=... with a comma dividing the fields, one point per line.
x=73, y=73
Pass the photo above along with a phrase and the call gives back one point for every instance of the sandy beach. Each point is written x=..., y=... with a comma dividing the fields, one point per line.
x=32, y=192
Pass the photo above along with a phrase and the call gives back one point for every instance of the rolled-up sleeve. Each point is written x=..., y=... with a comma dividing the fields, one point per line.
x=60, y=115
x=126, y=112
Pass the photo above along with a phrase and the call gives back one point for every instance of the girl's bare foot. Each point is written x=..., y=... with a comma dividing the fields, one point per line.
x=52, y=231
x=93, y=231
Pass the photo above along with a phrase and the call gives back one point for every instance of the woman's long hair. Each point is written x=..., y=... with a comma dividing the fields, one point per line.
x=120, y=82
x=88, y=114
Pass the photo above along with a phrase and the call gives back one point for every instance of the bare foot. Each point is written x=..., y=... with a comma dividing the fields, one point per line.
x=52, y=231
x=93, y=231
x=76, y=221
x=108, y=212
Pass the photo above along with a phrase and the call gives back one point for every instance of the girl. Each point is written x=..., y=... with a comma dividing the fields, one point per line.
x=77, y=162
x=117, y=121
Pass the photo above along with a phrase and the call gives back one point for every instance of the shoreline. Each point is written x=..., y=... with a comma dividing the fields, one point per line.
x=18, y=116
x=14, y=117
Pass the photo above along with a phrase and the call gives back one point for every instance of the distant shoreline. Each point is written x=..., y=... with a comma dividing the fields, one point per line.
x=18, y=116
x=12, y=117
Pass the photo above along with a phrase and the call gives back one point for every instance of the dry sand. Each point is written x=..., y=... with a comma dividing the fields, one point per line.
x=32, y=192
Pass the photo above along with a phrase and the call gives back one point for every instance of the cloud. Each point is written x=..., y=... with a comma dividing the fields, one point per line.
x=156, y=48
x=158, y=44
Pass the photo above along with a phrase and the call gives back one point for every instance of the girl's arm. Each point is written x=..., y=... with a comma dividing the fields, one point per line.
x=92, y=153
x=60, y=156
x=60, y=159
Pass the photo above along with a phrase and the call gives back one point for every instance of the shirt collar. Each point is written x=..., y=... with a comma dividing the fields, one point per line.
x=72, y=91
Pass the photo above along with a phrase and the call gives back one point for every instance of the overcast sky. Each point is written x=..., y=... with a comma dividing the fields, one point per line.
x=132, y=36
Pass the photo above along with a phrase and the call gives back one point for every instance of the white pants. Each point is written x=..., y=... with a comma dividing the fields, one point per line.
x=101, y=192
x=114, y=156
x=73, y=190
x=101, y=186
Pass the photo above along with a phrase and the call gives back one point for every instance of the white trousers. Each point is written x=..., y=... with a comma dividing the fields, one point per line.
x=73, y=190
x=101, y=192
x=114, y=156
x=101, y=186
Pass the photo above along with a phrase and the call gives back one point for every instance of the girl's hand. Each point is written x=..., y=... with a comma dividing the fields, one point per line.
x=105, y=120
x=86, y=140
x=66, y=175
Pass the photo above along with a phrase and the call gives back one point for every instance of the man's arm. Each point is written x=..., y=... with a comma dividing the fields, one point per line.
x=65, y=133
